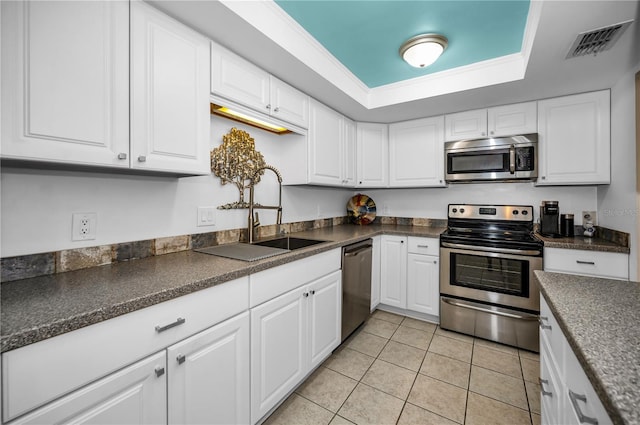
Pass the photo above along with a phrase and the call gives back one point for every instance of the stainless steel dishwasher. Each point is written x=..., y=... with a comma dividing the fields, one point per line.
x=356, y=285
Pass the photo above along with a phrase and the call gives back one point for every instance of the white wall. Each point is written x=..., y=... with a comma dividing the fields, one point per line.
x=433, y=203
x=36, y=206
x=617, y=207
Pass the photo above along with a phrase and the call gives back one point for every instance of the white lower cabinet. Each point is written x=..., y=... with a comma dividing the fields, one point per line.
x=410, y=273
x=375, y=272
x=613, y=265
x=291, y=335
x=567, y=396
x=208, y=375
x=135, y=395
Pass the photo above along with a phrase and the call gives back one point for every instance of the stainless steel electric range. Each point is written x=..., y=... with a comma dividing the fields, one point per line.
x=487, y=289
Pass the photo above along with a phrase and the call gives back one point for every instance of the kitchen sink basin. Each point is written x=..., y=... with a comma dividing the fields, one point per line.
x=288, y=243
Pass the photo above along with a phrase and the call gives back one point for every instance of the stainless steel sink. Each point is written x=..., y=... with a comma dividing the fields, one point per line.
x=259, y=250
x=288, y=243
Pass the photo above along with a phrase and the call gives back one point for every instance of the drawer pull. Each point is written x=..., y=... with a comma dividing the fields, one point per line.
x=591, y=263
x=581, y=416
x=542, y=325
x=181, y=358
x=179, y=321
x=542, y=382
x=159, y=371
x=423, y=246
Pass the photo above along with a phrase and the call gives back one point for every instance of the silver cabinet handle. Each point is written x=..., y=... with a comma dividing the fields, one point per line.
x=179, y=321
x=313, y=292
x=542, y=382
x=268, y=106
x=524, y=316
x=306, y=294
x=423, y=246
x=142, y=158
x=542, y=325
x=277, y=109
x=159, y=370
x=122, y=155
x=181, y=358
x=591, y=263
x=581, y=416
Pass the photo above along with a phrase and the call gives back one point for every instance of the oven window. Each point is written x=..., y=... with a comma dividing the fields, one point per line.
x=504, y=275
x=477, y=163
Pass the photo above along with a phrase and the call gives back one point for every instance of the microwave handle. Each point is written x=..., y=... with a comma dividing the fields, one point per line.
x=512, y=159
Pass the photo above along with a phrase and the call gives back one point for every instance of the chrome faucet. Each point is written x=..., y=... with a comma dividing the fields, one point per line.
x=253, y=223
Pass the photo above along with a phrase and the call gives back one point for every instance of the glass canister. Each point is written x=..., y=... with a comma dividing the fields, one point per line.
x=566, y=225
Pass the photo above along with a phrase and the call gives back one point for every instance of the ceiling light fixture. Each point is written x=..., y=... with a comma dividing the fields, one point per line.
x=423, y=50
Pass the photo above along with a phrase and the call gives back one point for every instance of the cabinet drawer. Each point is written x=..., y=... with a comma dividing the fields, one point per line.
x=550, y=387
x=551, y=334
x=271, y=283
x=426, y=246
x=40, y=372
x=591, y=263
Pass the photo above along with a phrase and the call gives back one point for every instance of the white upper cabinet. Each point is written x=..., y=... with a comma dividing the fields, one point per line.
x=170, y=119
x=574, y=142
x=65, y=82
x=331, y=147
x=509, y=120
x=373, y=155
x=238, y=80
x=466, y=125
x=499, y=121
x=416, y=153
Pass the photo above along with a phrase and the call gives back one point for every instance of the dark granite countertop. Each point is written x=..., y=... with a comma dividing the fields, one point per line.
x=601, y=320
x=583, y=243
x=43, y=307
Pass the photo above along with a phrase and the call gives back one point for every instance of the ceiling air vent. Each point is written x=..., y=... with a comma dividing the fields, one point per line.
x=598, y=40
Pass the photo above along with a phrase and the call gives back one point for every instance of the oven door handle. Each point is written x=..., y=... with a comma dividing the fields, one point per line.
x=530, y=317
x=490, y=249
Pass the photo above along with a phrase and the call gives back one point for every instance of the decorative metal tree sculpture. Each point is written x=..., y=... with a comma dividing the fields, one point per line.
x=236, y=161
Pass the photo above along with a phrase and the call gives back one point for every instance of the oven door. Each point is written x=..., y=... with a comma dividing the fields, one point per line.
x=482, y=274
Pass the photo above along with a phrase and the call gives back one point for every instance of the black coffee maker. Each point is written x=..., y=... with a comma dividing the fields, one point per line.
x=549, y=215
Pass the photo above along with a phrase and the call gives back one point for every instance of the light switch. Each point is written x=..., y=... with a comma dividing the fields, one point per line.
x=206, y=216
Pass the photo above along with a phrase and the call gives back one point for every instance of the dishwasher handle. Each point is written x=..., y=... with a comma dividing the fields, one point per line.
x=357, y=248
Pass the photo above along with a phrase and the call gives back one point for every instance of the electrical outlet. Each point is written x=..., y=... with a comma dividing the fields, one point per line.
x=590, y=216
x=83, y=226
x=206, y=216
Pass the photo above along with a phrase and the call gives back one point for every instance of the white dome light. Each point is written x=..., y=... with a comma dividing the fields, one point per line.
x=423, y=50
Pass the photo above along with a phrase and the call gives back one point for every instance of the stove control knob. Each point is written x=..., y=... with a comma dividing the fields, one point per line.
x=461, y=210
x=515, y=212
x=455, y=210
x=525, y=212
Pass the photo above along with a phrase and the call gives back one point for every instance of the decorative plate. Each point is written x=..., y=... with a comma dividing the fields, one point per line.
x=361, y=209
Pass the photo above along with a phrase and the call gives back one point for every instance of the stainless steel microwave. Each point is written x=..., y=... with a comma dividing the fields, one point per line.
x=513, y=158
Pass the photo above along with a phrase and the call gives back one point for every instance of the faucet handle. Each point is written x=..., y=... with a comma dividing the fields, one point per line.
x=256, y=222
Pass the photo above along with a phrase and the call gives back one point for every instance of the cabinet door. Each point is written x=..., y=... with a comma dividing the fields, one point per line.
x=135, y=395
x=278, y=350
x=209, y=375
x=349, y=154
x=325, y=316
x=393, y=271
x=508, y=120
x=373, y=154
x=238, y=80
x=423, y=284
x=325, y=145
x=416, y=153
x=466, y=125
x=65, y=81
x=288, y=104
x=574, y=139
x=170, y=119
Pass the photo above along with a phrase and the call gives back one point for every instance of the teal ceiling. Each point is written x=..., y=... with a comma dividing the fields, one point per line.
x=365, y=35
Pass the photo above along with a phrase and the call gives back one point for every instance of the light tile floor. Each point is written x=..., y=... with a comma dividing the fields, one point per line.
x=399, y=370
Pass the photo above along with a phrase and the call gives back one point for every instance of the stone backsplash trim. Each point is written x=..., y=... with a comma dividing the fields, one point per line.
x=33, y=265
